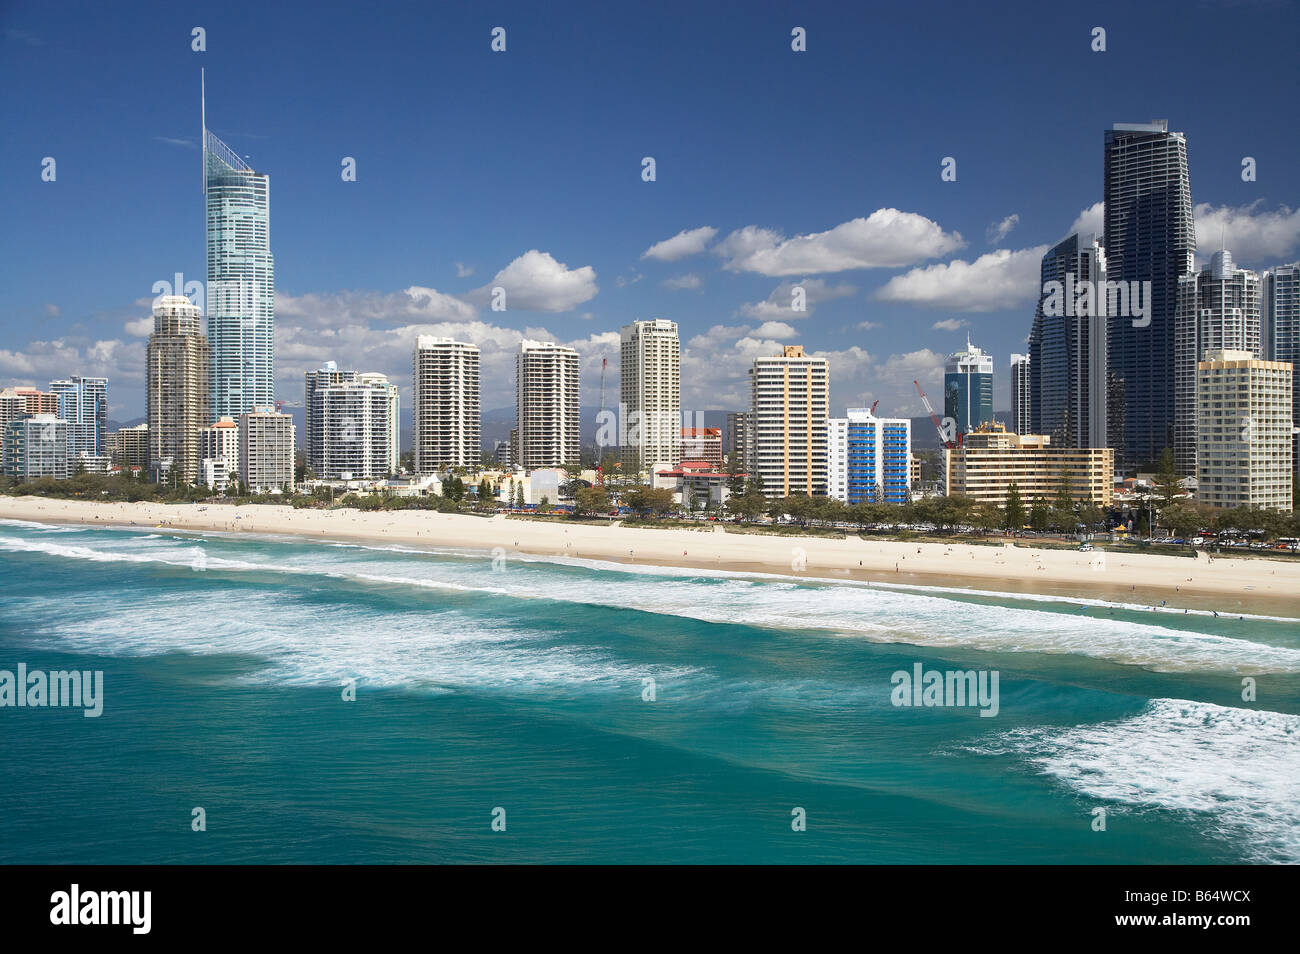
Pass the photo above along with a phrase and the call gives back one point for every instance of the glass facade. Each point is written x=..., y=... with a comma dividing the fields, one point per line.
x=1149, y=237
x=968, y=389
x=241, y=282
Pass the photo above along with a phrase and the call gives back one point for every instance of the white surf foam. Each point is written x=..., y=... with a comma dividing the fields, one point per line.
x=876, y=613
x=1236, y=770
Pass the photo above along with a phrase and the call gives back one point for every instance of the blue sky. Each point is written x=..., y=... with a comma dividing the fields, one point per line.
x=523, y=169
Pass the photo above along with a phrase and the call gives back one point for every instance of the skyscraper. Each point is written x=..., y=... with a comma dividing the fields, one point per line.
x=374, y=379
x=789, y=400
x=1280, y=308
x=355, y=431
x=737, y=438
x=1149, y=237
x=241, y=280
x=1218, y=310
x=266, y=451
x=445, y=404
x=650, y=390
x=546, y=408
x=1021, y=389
x=968, y=388
x=176, y=387
x=1067, y=348
x=1243, y=455
x=83, y=403
x=327, y=374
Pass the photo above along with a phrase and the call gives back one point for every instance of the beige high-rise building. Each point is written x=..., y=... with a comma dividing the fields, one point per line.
x=266, y=451
x=789, y=403
x=990, y=458
x=546, y=405
x=129, y=446
x=650, y=393
x=445, y=404
x=1243, y=434
x=176, y=385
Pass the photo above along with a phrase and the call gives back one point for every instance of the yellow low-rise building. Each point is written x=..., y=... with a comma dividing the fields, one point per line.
x=991, y=458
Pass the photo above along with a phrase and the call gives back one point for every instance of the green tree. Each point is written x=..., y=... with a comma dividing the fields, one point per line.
x=735, y=482
x=1166, y=480
x=1040, y=516
x=591, y=500
x=647, y=501
x=1013, y=514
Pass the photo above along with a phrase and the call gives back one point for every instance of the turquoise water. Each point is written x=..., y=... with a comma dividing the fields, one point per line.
x=522, y=688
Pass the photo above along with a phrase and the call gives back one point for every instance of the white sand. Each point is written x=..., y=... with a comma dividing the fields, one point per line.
x=1254, y=585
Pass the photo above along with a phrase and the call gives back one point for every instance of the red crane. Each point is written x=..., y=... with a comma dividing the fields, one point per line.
x=934, y=417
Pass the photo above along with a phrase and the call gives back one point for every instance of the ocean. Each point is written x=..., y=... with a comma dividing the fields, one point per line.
x=535, y=709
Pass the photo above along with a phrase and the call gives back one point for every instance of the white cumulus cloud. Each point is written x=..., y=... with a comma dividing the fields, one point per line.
x=685, y=243
x=535, y=281
x=887, y=238
x=996, y=281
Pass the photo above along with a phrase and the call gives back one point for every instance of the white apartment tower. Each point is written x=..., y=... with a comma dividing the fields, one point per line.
x=546, y=405
x=1217, y=310
x=374, y=379
x=650, y=391
x=327, y=374
x=1243, y=453
x=355, y=430
x=445, y=405
x=218, y=453
x=789, y=399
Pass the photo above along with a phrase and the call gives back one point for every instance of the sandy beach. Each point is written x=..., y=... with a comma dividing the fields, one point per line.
x=1246, y=585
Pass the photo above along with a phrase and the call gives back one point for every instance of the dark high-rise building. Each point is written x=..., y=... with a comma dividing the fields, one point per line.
x=968, y=388
x=1021, y=386
x=1149, y=237
x=1067, y=347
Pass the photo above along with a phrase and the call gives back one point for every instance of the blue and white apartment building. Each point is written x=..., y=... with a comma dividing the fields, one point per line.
x=869, y=457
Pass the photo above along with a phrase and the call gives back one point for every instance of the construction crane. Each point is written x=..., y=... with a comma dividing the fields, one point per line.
x=934, y=417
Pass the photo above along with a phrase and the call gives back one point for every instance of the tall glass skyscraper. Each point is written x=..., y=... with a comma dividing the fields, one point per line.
x=1149, y=237
x=241, y=281
x=968, y=388
x=1067, y=351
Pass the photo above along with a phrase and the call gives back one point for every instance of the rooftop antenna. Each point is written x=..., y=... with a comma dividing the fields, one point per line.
x=203, y=112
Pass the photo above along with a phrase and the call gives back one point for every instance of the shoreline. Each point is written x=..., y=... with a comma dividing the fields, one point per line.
x=1255, y=585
